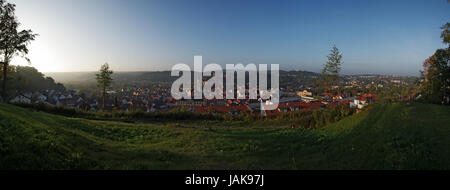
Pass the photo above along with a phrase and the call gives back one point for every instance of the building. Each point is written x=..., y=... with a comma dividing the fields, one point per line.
x=304, y=93
x=363, y=101
x=293, y=106
x=21, y=99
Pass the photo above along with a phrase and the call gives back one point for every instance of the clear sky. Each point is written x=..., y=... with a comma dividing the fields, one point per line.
x=383, y=37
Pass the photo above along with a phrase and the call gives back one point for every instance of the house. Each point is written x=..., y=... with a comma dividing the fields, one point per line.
x=307, y=99
x=304, y=93
x=370, y=97
x=359, y=103
x=21, y=99
x=337, y=97
x=293, y=106
x=312, y=105
x=93, y=103
x=327, y=95
x=290, y=106
x=190, y=103
x=67, y=102
x=345, y=102
x=41, y=98
x=137, y=104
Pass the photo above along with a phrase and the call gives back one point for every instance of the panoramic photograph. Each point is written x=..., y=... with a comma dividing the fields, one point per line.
x=243, y=87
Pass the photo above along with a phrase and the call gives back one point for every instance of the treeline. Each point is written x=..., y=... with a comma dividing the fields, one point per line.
x=23, y=79
x=435, y=83
x=314, y=118
x=303, y=118
x=117, y=115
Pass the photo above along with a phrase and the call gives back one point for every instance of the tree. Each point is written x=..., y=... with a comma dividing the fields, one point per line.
x=445, y=35
x=104, y=81
x=23, y=79
x=12, y=42
x=436, y=72
x=333, y=66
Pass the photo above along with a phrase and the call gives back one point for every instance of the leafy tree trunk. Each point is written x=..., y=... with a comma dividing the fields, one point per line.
x=4, y=82
x=103, y=98
x=104, y=80
x=5, y=71
x=13, y=41
x=332, y=68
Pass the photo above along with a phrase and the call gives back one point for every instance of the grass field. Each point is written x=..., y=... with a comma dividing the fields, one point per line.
x=396, y=136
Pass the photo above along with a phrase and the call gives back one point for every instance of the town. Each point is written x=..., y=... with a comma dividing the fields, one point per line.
x=290, y=85
x=354, y=91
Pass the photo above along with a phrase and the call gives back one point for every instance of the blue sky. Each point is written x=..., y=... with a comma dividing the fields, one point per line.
x=384, y=37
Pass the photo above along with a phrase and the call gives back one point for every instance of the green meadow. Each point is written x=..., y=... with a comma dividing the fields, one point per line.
x=391, y=136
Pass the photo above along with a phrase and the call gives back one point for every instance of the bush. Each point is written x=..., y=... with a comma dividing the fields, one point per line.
x=305, y=118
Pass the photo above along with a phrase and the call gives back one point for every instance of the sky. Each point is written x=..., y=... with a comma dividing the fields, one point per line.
x=375, y=37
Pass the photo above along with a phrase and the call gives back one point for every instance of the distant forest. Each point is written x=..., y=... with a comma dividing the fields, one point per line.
x=22, y=79
x=149, y=78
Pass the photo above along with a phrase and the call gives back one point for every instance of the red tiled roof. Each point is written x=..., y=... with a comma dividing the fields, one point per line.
x=372, y=96
x=302, y=105
x=361, y=98
x=291, y=104
x=345, y=102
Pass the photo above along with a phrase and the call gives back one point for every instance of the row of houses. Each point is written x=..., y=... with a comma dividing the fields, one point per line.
x=56, y=98
x=285, y=105
x=132, y=99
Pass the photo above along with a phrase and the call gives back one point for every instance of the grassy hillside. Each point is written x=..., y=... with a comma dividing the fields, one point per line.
x=396, y=136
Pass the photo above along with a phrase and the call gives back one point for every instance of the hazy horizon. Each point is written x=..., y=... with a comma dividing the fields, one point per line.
x=376, y=37
x=168, y=70
x=55, y=72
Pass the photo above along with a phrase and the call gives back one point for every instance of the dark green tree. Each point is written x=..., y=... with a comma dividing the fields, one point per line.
x=436, y=72
x=332, y=68
x=445, y=35
x=12, y=42
x=104, y=80
x=23, y=79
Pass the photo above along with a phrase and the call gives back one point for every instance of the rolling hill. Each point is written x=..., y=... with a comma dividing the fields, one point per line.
x=395, y=136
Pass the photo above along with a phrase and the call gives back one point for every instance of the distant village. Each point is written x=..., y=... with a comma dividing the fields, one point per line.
x=159, y=99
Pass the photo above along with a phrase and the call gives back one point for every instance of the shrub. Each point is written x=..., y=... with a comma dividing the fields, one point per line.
x=305, y=118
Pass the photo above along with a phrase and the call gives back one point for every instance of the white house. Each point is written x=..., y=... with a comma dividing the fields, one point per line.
x=21, y=99
x=41, y=98
x=358, y=103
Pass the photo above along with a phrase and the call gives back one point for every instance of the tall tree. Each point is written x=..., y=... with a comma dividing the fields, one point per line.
x=12, y=42
x=333, y=66
x=445, y=35
x=104, y=80
x=436, y=72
